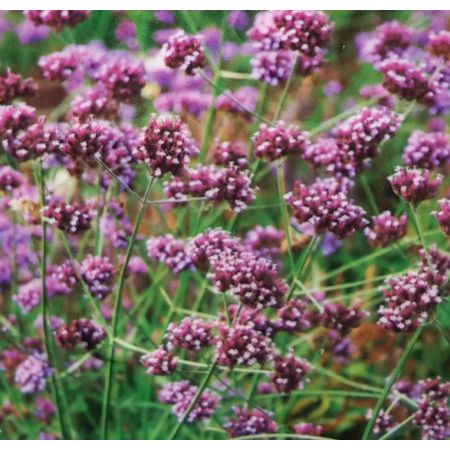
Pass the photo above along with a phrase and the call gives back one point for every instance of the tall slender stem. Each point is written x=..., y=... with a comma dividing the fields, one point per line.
x=60, y=399
x=116, y=314
x=396, y=372
x=287, y=86
x=419, y=230
x=284, y=212
x=194, y=401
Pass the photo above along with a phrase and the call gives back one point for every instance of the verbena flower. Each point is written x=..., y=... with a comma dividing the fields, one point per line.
x=122, y=77
x=208, y=246
x=192, y=334
x=250, y=422
x=72, y=218
x=45, y=410
x=183, y=101
x=386, y=229
x=341, y=318
x=160, y=362
x=253, y=280
x=308, y=429
x=325, y=205
x=83, y=332
x=443, y=215
x=383, y=423
x=264, y=241
x=15, y=118
x=98, y=273
x=289, y=372
x=439, y=44
x=167, y=145
x=409, y=299
x=414, y=185
x=12, y=85
x=242, y=345
x=185, y=52
x=181, y=394
x=57, y=19
x=403, y=78
x=272, y=67
x=31, y=375
x=433, y=414
x=273, y=142
x=10, y=179
x=225, y=153
x=297, y=315
x=427, y=150
x=97, y=102
x=170, y=251
x=303, y=31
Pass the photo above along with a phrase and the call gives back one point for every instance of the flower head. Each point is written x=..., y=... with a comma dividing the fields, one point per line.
x=289, y=372
x=170, y=251
x=192, y=334
x=160, y=362
x=184, y=51
x=167, y=145
x=71, y=218
x=31, y=375
x=414, y=185
x=273, y=142
x=443, y=215
x=57, y=19
x=427, y=150
x=250, y=422
x=386, y=229
x=98, y=274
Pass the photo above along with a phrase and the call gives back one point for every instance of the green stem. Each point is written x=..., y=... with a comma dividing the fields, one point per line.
x=369, y=193
x=387, y=389
x=284, y=212
x=60, y=399
x=420, y=233
x=210, y=119
x=394, y=430
x=301, y=265
x=194, y=401
x=116, y=314
x=285, y=92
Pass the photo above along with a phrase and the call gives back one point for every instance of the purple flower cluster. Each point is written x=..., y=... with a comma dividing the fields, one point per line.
x=308, y=429
x=264, y=241
x=45, y=410
x=383, y=423
x=182, y=101
x=207, y=247
x=326, y=207
x=439, y=44
x=71, y=218
x=57, y=19
x=274, y=142
x=84, y=332
x=443, y=215
x=414, y=185
x=405, y=79
x=427, y=150
x=410, y=298
x=15, y=118
x=253, y=280
x=31, y=374
x=242, y=345
x=272, y=67
x=433, y=414
x=13, y=85
x=123, y=78
x=386, y=229
x=167, y=145
x=250, y=422
x=170, y=251
x=160, y=362
x=289, y=372
x=185, y=52
x=226, y=153
x=360, y=136
x=98, y=273
x=193, y=334
x=10, y=179
x=305, y=31
x=180, y=395
x=297, y=316
x=388, y=40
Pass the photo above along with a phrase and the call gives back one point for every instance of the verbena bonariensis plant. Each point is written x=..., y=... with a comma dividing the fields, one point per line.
x=239, y=234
